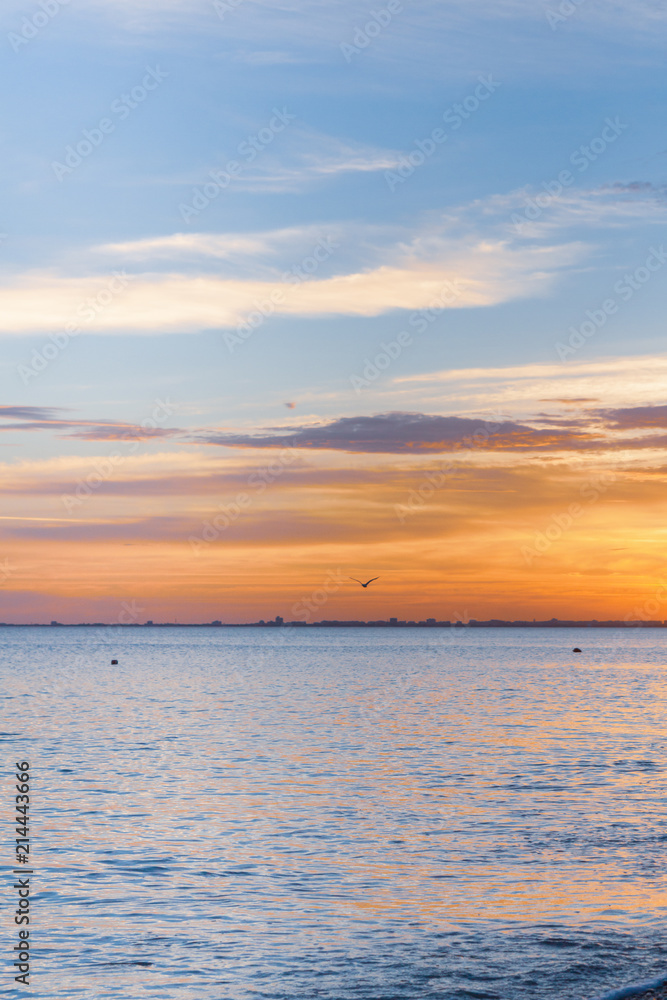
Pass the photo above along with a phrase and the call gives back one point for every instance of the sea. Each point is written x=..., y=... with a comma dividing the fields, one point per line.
x=338, y=813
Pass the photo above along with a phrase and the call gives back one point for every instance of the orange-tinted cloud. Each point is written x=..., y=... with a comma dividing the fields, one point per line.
x=558, y=516
x=384, y=433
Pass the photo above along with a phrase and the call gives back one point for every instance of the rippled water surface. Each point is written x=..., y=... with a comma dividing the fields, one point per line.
x=343, y=813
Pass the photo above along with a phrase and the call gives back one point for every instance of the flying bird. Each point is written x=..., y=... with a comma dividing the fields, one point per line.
x=364, y=585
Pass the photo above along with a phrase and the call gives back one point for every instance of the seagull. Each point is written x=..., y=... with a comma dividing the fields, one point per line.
x=364, y=585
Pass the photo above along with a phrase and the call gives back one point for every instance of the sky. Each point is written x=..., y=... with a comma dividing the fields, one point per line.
x=295, y=291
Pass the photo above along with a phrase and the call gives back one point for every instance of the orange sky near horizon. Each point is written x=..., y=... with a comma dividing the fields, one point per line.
x=509, y=535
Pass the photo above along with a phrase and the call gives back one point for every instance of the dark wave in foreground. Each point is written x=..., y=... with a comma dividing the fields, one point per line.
x=655, y=990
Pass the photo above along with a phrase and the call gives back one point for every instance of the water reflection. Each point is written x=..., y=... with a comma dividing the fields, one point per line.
x=224, y=815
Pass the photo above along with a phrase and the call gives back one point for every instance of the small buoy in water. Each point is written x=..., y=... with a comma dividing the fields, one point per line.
x=576, y=650
x=113, y=662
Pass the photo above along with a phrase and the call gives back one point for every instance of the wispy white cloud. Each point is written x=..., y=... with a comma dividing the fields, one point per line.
x=484, y=220
x=214, y=281
x=481, y=274
x=183, y=245
x=533, y=213
x=523, y=389
x=612, y=206
x=277, y=247
x=307, y=156
x=264, y=255
x=302, y=156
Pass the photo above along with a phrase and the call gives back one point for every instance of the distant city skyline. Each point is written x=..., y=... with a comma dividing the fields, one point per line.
x=280, y=623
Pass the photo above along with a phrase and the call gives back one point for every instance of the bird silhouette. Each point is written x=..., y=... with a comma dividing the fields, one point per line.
x=364, y=585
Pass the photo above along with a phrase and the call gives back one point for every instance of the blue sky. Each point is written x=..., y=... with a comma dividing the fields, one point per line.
x=327, y=172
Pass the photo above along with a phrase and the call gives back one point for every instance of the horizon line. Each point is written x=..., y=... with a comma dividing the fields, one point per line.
x=279, y=623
